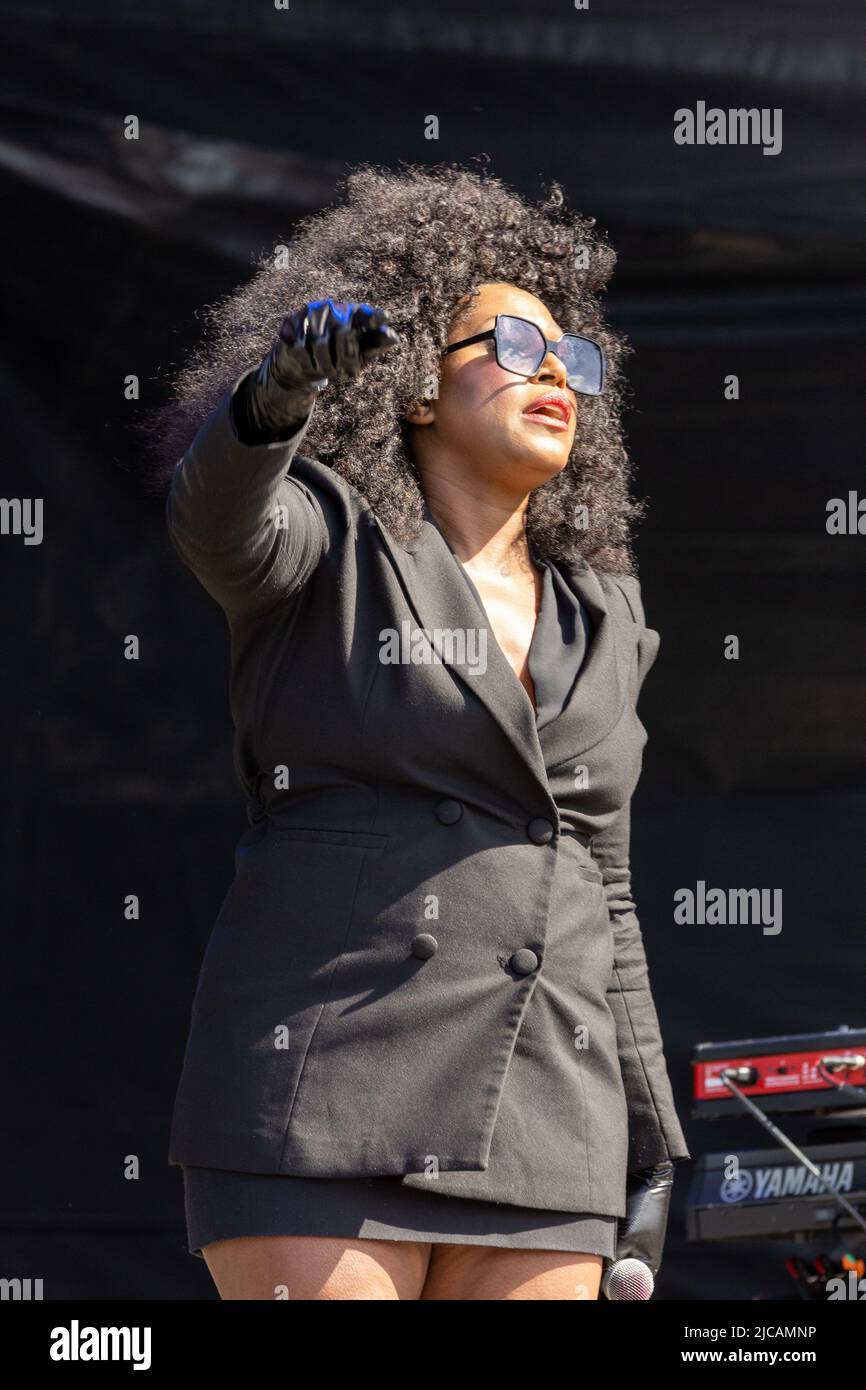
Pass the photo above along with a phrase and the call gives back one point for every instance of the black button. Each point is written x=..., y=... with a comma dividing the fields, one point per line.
x=540, y=831
x=448, y=812
x=524, y=961
x=424, y=946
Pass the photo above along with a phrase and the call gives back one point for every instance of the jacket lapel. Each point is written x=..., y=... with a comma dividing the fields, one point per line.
x=440, y=598
x=596, y=702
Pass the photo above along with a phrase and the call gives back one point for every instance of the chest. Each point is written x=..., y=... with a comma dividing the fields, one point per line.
x=512, y=604
x=346, y=688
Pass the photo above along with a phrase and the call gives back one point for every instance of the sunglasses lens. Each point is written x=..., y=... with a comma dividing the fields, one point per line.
x=521, y=348
x=519, y=345
x=584, y=365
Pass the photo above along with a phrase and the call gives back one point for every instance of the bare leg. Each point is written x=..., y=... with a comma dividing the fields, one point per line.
x=317, y=1267
x=465, y=1272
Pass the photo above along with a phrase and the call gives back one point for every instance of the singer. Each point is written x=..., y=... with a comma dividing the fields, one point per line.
x=423, y=1060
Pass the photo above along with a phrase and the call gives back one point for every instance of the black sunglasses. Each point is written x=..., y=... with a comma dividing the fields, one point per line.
x=521, y=347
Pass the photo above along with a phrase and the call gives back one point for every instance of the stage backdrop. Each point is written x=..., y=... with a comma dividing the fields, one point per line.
x=118, y=773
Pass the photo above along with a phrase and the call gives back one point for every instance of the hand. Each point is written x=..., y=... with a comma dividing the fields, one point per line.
x=641, y=1233
x=322, y=340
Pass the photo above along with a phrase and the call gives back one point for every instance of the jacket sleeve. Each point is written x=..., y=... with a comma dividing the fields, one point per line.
x=250, y=532
x=654, y=1129
x=655, y=1133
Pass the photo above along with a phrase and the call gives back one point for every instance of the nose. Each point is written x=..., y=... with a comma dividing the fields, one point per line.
x=553, y=372
x=553, y=369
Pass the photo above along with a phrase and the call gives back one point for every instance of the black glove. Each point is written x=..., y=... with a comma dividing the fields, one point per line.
x=318, y=341
x=641, y=1232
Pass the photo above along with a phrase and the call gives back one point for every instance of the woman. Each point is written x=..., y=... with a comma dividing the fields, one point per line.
x=424, y=1060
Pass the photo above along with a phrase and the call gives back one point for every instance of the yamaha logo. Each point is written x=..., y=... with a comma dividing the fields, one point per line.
x=786, y=1180
x=738, y=1188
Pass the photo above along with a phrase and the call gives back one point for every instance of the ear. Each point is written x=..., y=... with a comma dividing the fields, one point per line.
x=421, y=414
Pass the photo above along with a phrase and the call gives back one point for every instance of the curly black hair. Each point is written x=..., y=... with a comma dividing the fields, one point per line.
x=418, y=242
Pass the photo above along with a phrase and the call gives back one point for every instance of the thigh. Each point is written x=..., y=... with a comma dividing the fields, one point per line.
x=492, y=1272
x=317, y=1267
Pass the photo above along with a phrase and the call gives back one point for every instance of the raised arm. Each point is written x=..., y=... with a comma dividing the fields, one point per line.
x=250, y=532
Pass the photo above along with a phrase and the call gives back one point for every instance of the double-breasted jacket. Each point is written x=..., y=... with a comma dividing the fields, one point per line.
x=429, y=884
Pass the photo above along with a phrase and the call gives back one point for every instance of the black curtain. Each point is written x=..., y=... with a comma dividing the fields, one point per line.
x=119, y=773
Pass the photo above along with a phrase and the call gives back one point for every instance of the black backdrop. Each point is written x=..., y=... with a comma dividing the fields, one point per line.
x=119, y=773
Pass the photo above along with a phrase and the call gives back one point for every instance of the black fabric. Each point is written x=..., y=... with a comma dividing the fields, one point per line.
x=222, y=1204
x=559, y=644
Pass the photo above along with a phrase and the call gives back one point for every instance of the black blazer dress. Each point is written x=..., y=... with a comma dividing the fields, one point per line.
x=429, y=958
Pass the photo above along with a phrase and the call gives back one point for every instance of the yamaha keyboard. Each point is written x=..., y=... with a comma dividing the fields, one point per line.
x=768, y=1194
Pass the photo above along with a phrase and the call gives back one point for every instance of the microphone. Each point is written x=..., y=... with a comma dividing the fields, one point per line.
x=628, y=1280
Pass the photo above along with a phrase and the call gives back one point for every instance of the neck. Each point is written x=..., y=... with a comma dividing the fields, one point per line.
x=484, y=530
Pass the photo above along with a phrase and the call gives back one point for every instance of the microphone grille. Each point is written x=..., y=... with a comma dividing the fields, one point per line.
x=629, y=1280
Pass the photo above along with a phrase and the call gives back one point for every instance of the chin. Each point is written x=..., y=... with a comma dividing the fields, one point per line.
x=529, y=461
x=546, y=465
